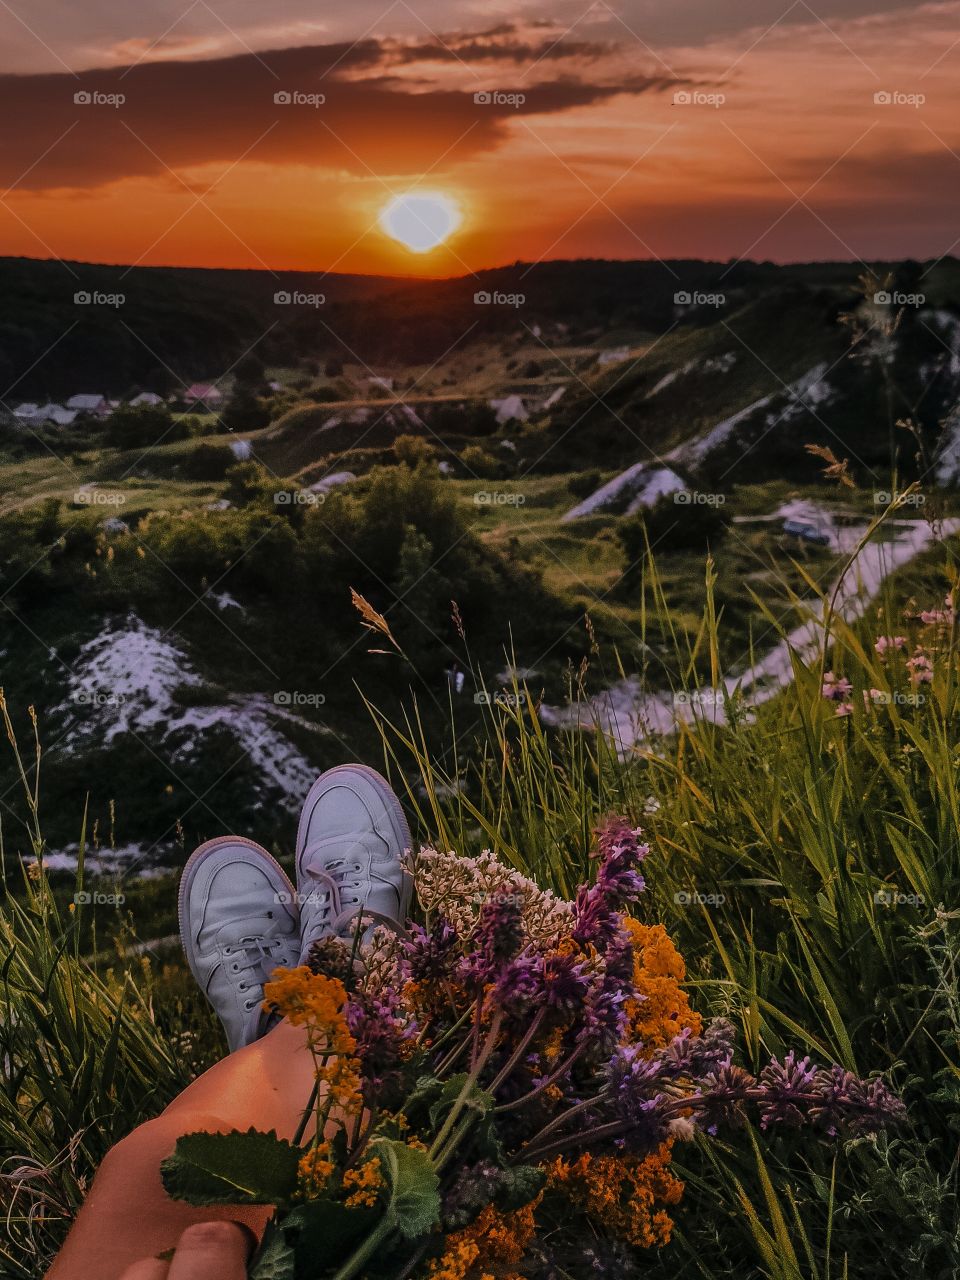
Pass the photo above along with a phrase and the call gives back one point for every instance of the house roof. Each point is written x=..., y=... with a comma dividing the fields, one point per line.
x=203, y=391
x=85, y=401
x=56, y=413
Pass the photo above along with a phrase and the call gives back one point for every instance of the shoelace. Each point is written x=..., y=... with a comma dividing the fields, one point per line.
x=256, y=949
x=329, y=898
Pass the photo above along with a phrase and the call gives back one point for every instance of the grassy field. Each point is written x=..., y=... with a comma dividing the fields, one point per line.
x=806, y=864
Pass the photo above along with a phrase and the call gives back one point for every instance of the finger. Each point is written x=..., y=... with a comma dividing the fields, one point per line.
x=147, y=1269
x=212, y=1251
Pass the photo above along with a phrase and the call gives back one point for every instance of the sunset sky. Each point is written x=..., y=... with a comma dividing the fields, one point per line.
x=631, y=129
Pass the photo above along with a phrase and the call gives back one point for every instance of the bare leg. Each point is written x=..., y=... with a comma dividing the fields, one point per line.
x=128, y=1215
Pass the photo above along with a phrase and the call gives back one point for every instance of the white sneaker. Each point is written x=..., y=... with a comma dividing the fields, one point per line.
x=350, y=856
x=238, y=921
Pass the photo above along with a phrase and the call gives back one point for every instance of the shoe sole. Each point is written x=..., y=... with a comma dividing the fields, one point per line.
x=189, y=873
x=401, y=828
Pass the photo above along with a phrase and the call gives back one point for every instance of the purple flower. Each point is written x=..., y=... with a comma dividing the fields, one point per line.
x=694, y=1056
x=517, y=985
x=845, y=1102
x=787, y=1087
x=618, y=882
x=381, y=1027
x=722, y=1095
x=497, y=940
x=565, y=981
x=604, y=1015
x=430, y=956
x=634, y=1083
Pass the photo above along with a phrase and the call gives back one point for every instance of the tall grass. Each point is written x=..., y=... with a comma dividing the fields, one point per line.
x=87, y=1049
x=806, y=864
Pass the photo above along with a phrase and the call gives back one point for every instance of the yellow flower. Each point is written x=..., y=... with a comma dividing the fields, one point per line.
x=490, y=1248
x=622, y=1193
x=314, y=1171
x=316, y=1002
x=658, y=970
x=363, y=1184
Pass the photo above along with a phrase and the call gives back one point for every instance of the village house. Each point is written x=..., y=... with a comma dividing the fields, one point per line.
x=33, y=415
x=203, y=395
x=95, y=405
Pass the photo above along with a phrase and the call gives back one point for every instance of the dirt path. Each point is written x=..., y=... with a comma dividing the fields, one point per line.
x=631, y=715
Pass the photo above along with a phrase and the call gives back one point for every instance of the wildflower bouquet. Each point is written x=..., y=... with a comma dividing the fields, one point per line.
x=499, y=1089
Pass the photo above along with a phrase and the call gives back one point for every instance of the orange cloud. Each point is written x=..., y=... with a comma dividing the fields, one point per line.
x=781, y=144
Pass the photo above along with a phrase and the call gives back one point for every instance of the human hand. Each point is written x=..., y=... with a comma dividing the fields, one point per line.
x=205, y=1251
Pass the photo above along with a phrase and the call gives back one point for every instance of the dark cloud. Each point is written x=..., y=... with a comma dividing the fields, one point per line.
x=180, y=114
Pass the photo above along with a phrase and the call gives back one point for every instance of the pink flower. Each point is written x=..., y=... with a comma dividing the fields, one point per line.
x=835, y=687
x=940, y=617
x=920, y=667
x=844, y=708
x=889, y=642
x=873, y=697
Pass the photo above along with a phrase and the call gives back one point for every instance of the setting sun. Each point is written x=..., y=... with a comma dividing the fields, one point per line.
x=420, y=220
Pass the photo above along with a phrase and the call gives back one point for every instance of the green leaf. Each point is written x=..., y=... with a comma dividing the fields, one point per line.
x=274, y=1260
x=414, y=1207
x=231, y=1168
x=327, y=1229
x=519, y=1186
x=476, y=1100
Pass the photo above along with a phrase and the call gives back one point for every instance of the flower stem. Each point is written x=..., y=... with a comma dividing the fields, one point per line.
x=488, y=1047
x=308, y=1111
x=545, y=1084
x=519, y=1051
x=583, y=1139
x=355, y=1263
x=558, y=1121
